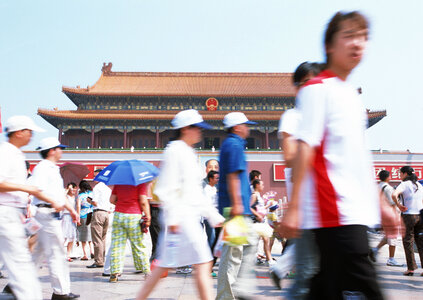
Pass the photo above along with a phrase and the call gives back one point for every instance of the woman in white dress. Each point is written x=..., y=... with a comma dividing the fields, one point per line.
x=68, y=226
x=179, y=188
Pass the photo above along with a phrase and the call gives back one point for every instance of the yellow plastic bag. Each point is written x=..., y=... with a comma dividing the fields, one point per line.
x=235, y=232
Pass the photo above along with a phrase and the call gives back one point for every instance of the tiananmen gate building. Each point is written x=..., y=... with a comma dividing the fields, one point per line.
x=134, y=109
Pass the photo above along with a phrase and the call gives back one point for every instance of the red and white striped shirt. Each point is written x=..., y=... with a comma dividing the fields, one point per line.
x=340, y=188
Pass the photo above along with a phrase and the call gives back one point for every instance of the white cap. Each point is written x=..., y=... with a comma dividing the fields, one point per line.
x=189, y=117
x=235, y=118
x=48, y=143
x=17, y=123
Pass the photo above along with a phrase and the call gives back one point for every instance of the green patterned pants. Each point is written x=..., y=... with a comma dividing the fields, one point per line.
x=126, y=226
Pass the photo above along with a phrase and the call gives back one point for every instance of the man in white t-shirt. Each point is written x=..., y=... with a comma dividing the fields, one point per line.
x=333, y=190
x=387, y=191
x=14, y=253
x=100, y=221
x=306, y=253
x=46, y=176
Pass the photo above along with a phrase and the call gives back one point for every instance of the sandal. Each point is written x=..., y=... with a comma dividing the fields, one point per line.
x=70, y=259
x=408, y=273
x=84, y=258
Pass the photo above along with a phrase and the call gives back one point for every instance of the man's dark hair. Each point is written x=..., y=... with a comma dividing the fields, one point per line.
x=383, y=175
x=73, y=184
x=306, y=68
x=44, y=153
x=84, y=186
x=335, y=25
x=255, y=183
x=254, y=174
x=98, y=170
x=211, y=174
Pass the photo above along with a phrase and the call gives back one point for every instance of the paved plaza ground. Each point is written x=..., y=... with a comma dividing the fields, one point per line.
x=91, y=285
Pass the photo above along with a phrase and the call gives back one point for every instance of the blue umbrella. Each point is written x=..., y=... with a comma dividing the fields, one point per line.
x=128, y=172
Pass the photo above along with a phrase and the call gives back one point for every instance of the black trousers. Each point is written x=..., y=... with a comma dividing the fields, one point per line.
x=154, y=229
x=344, y=264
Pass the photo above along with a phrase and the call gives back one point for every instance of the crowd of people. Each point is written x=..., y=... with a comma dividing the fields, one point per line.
x=333, y=200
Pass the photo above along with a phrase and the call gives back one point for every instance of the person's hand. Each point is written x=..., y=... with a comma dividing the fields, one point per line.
x=219, y=224
x=75, y=217
x=237, y=209
x=290, y=225
x=402, y=208
x=173, y=228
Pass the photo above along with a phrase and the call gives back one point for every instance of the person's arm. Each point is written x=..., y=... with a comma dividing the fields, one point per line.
x=289, y=227
x=30, y=189
x=78, y=209
x=145, y=207
x=73, y=213
x=234, y=191
x=289, y=147
x=113, y=199
x=253, y=209
x=395, y=196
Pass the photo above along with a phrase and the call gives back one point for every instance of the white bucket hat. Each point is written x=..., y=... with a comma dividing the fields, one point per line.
x=49, y=143
x=189, y=117
x=235, y=118
x=17, y=123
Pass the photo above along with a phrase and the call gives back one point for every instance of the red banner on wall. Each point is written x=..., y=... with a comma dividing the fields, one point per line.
x=393, y=168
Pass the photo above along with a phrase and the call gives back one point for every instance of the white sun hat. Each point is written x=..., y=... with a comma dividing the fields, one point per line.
x=236, y=118
x=49, y=143
x=189, y=117
x=17, y=123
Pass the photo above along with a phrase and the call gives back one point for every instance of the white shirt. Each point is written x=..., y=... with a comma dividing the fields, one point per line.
x=211, y=194
x=46, y=176
x=101, y=195
x=179, y=186
x=290, y=121
x=13, y=170
x=412, y=195
x=340, y=189
x=387, y=191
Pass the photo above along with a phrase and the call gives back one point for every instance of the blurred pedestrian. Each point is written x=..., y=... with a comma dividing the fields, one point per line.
x=100, y=221
x=339, y=200
x=68, y=225
x=183, y=240
x=236, y=277
x=155, y=226
x=259, y=210
x=46, y=176
x=85, y=211
x=411, y=192
x=131, y=202
x=387, y=191
x=306, y=252
x=14, y=252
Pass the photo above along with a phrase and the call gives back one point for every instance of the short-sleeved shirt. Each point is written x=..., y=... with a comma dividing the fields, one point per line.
x=232, y=159
x=12, y=170
x=341, y=189
x=46, y=176
x=128, y=198
x=387, y=190
x=412, y=195
x=86, y=207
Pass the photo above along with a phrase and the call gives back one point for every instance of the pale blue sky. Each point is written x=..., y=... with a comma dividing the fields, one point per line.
x=47, y=44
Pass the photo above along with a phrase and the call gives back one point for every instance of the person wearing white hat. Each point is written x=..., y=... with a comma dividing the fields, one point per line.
x=236, y=277
x=179, y=187
x=14, y=252
x=46, y=176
